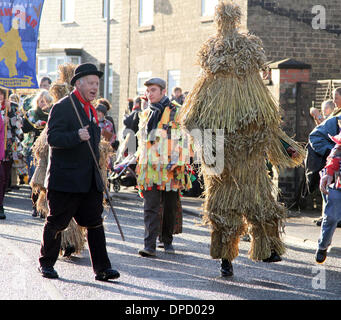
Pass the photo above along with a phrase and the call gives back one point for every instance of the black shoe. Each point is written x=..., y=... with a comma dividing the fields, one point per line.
x=69, y=251
x=275, y=257
x=48, y=272
x=107, y=274
x=226, y=269
x=2, y=213
x=320, y=255
x=147, y=253
x=34, y=212
x=318, y=222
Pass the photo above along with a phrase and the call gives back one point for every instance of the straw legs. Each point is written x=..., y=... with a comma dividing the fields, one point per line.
x=266, y=244
x=265, y=237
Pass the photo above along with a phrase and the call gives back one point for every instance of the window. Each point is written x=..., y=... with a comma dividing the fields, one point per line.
x=104, y=9
x=146, y=17
x=67, y=11
x=42, y=66
x=173, y=80
x=142, y=77
x=48, y=65
x=207, y=7
x=74, y=60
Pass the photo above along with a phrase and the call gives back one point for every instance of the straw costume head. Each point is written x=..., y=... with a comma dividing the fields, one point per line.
x=62, y=86
x=229, y=94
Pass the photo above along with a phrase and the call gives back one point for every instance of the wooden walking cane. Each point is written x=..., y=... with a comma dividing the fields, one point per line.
x=98, y=168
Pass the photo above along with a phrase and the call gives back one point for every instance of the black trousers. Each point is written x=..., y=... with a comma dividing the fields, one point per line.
x=86, y=209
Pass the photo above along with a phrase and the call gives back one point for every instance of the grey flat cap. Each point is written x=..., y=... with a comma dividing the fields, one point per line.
x=157, y=81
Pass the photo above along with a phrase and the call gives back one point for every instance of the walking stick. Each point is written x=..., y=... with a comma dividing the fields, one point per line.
x=99, y=170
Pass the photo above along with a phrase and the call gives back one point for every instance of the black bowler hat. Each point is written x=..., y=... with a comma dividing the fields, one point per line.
x=85, y=69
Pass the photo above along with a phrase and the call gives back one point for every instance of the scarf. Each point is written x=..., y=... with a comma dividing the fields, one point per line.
x=87, y=105
x=156, y=114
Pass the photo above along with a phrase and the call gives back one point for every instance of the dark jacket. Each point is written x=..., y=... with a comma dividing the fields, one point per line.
x=318, y=149
x=71, y=167
x=132, y=121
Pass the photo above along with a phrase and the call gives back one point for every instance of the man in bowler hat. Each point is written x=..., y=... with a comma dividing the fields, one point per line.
x=74, y=187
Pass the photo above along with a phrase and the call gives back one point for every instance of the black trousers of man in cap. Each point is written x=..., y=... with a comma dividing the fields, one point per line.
x=74, y=186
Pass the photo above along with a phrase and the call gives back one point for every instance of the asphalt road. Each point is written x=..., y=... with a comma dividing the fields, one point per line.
x=190, y=274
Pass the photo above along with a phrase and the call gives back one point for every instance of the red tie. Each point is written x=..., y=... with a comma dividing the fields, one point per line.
x=87, y=105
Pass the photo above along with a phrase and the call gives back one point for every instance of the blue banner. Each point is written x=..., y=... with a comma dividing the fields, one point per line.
x=19, y=26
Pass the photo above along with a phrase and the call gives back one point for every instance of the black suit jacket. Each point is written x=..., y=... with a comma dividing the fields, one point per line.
x=71, y=167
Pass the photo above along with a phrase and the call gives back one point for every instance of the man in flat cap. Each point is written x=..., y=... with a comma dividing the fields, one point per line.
x=161, y=167
x=74, y=187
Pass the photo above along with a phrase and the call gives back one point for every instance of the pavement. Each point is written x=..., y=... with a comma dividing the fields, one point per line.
x=300, y=228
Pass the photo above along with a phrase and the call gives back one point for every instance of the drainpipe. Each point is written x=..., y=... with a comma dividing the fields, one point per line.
x=128, y=45
x=106, y=72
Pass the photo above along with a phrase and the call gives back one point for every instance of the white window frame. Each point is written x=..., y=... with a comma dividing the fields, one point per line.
x=207, y=7
x=173, y=80
x=53, y=74
x=146, y=13
x=70, y=58
x=141, y=78
x=40, y=61
x=104, y=9
x=67, y=14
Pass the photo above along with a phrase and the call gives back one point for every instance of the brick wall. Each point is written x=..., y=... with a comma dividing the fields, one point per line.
x=286, y=30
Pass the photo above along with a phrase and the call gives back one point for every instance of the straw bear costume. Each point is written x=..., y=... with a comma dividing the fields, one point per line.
x=229, y=94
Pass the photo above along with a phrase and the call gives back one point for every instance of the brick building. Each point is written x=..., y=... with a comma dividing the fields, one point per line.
x=75, y=31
